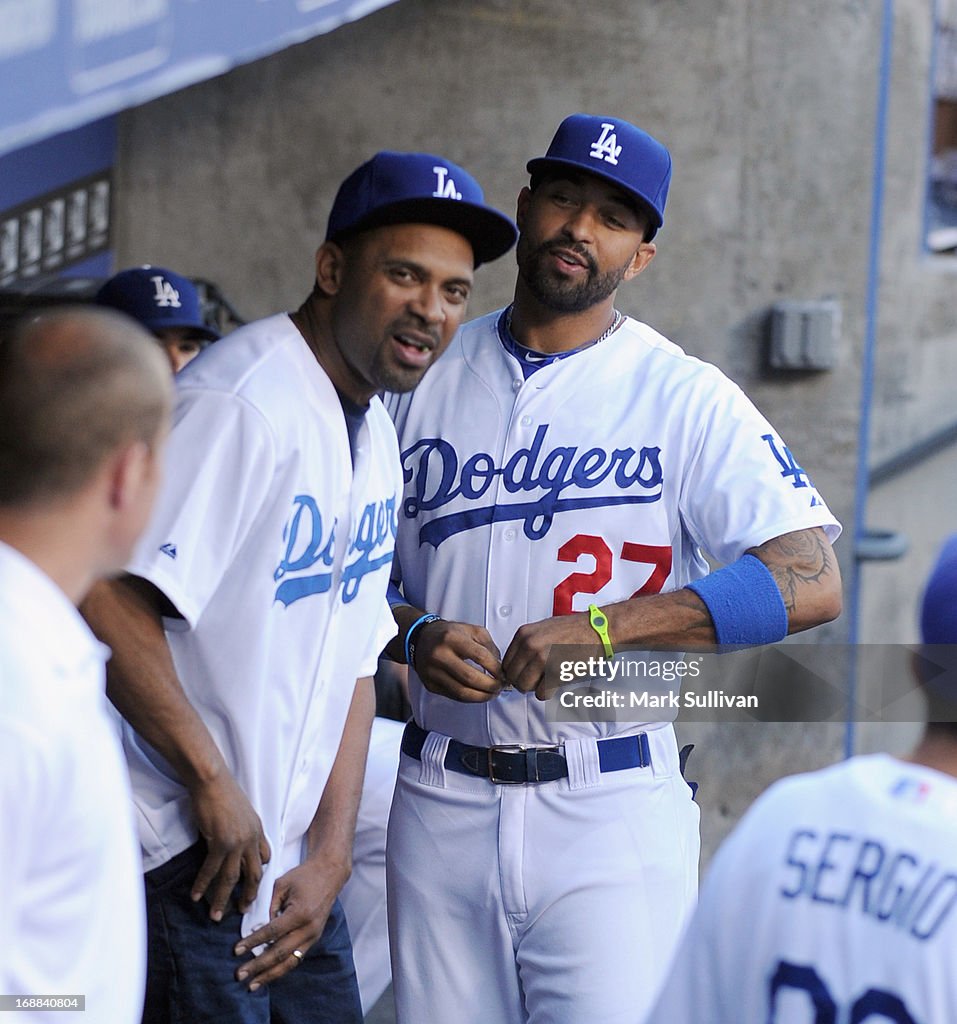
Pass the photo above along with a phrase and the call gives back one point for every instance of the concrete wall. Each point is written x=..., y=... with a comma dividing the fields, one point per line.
x=768, y=107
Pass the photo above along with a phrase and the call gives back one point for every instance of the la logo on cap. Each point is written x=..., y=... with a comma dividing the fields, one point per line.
x=166, y=295
x=606, y=146
x=445, y=185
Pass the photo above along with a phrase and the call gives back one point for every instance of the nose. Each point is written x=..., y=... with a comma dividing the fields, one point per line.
x=427, y=304
x=580, y=224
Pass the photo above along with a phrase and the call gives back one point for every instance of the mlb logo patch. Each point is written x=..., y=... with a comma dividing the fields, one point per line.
x=911, y=791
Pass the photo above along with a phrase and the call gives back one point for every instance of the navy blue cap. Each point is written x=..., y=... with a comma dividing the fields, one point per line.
x=157, y=298
x=938, y=618
x=616, y=151
x=419, y=188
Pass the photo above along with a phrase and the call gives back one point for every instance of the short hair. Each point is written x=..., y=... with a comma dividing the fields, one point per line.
x=76, y=384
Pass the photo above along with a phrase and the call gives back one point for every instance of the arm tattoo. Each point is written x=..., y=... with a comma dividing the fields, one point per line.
x=803, y=558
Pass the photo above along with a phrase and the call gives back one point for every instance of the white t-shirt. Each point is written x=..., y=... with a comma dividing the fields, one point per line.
x=277, y=555
x=837, y=889
x=603, y=475
x=71, y=888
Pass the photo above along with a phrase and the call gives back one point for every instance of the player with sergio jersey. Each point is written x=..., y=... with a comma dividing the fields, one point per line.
x=566, y=467
x=847, y=880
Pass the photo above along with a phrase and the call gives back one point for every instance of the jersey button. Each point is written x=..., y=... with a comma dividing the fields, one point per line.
x=505, y=611
x=526, y=421
x=510, y=535
x=516, y=385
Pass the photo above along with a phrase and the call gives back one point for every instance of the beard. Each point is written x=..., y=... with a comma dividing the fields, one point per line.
x=388, y=376
x=560, y=295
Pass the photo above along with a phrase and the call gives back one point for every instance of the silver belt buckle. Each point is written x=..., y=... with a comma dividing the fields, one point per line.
x=505, y=748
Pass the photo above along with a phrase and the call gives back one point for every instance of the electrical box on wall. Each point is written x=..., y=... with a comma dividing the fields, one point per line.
x=804, y=335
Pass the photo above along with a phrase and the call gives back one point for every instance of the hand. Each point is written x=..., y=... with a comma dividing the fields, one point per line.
x=235, y=844
x=527, y=655
x=458, y=660
x=301, y=901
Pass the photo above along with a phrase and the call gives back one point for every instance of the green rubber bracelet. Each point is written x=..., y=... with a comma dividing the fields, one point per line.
x=599, y=623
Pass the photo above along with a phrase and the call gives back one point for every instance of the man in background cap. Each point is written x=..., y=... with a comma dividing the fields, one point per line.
x=166, y=304
x=248, y=627
x=564, y=467
x=835, y=898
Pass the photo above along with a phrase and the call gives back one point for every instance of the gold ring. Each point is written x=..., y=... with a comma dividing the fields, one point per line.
x=298, y=954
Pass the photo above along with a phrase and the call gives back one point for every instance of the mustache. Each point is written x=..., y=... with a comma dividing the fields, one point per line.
x=413, y=325
x=568, y=245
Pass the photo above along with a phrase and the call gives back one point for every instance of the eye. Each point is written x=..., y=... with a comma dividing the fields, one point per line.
x=401, y=274
x=457, y=294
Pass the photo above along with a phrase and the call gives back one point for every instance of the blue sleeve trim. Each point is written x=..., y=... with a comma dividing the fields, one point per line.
x=745, y=604
x=394, y=596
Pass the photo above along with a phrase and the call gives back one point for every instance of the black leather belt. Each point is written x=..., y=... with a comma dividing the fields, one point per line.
x=514, y=763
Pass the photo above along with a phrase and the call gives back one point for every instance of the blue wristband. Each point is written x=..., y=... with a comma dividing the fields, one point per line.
x=420, y=621
x=745, y=603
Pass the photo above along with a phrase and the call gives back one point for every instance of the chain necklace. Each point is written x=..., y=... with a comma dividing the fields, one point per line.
x=609, y=330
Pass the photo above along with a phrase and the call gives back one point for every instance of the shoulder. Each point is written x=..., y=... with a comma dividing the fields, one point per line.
x=806, y=797
x=659, y=359
x=250, y=358
x=474, y=344
x=263, y=376
x=471, y=346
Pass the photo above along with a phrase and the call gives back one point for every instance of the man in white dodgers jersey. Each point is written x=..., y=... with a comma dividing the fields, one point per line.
x=565, y=467
x=248, y=627
x=168, y=305
x=835, y=898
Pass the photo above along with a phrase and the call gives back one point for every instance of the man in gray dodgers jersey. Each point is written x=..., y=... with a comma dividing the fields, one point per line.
x=565, y=466
x=250, y=624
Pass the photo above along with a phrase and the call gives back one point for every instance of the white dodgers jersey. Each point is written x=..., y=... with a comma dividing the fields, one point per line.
x=833, y=902
x=601, y=477
x=276, y=552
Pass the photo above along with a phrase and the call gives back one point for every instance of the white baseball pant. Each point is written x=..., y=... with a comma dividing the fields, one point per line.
x=548, y=903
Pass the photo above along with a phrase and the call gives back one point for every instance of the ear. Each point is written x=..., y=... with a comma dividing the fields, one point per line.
x=521, y=207
x=129, y=470
x=641, y=259
x=330, y=263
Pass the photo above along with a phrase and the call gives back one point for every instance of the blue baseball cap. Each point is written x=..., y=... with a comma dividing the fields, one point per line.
x=616, y=151
x=419, y=188
x=158, y=298
x=938, y=616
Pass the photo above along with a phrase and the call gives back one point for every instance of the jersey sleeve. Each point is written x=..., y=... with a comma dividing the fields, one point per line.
x=219, y=463
x=742, y=485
